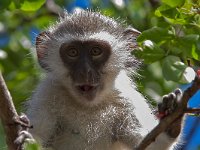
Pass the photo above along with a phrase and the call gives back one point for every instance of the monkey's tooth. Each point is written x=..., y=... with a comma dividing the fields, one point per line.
x=86, y=88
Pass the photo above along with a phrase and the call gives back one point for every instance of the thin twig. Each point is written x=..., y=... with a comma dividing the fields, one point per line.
x=8, y=115
x=54, y=8
x=165, y=123
x=192, y=110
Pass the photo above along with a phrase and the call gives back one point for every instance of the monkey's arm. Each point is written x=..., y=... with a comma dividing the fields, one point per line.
x=43, y=124
x=128, y=130
x=129, y=137
x=41, y=114
x=130, y=140
x=163, y=141
x=168, y=138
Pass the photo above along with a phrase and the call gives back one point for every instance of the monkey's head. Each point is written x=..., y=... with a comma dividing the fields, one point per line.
x=85, y=52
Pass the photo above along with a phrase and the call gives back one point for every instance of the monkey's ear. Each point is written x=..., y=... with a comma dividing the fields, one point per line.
x=42, y=48
x=131, y=34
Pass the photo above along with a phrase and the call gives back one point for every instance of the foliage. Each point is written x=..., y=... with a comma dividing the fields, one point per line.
x=24, y=5
x=174, y=41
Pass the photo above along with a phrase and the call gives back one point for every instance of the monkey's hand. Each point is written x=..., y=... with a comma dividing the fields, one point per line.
x=166, y=107
x=24, y=135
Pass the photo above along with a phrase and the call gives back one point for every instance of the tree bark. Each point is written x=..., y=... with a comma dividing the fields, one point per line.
x=8, y=115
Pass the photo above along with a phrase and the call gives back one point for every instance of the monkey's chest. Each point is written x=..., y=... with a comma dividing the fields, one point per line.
x=81, y=132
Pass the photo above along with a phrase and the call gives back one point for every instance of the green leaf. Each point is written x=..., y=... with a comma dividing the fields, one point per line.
x=42, y=21
x=174, y=3
x=195, y=53
x=160, y=9
x=173, y=15
x=31, y=5
x=175, y=50
x=155, y=34
x=32, y=146
x=173, y=68
x=4, y=4
x=176, y=21
x=191, y=38
x=149, y=53
x=188, y=44
x=166, y=11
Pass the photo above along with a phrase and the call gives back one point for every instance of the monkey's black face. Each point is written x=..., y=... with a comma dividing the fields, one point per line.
x=85, y=61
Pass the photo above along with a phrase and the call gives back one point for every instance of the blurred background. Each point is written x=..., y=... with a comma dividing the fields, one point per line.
x=20, y=22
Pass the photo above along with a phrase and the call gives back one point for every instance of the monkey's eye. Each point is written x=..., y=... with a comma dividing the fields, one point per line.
x=72, y=52
x=96, y=51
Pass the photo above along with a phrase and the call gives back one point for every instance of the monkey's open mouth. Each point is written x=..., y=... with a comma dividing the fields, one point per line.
x=86, y=88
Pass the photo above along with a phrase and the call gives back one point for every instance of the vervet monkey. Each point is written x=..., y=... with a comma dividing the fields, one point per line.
x=86, y=100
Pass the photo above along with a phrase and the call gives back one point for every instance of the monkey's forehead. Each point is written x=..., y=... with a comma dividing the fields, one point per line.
x=86, y=22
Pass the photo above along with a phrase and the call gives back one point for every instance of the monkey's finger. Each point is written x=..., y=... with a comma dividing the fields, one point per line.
x=24, y=136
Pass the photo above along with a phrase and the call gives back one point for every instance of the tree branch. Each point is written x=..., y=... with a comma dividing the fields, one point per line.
x=166, y=122
x=8, y=116
x=195, y=111
x=54, y=8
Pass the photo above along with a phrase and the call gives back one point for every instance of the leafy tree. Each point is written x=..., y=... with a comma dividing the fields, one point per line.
x=169, y=43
